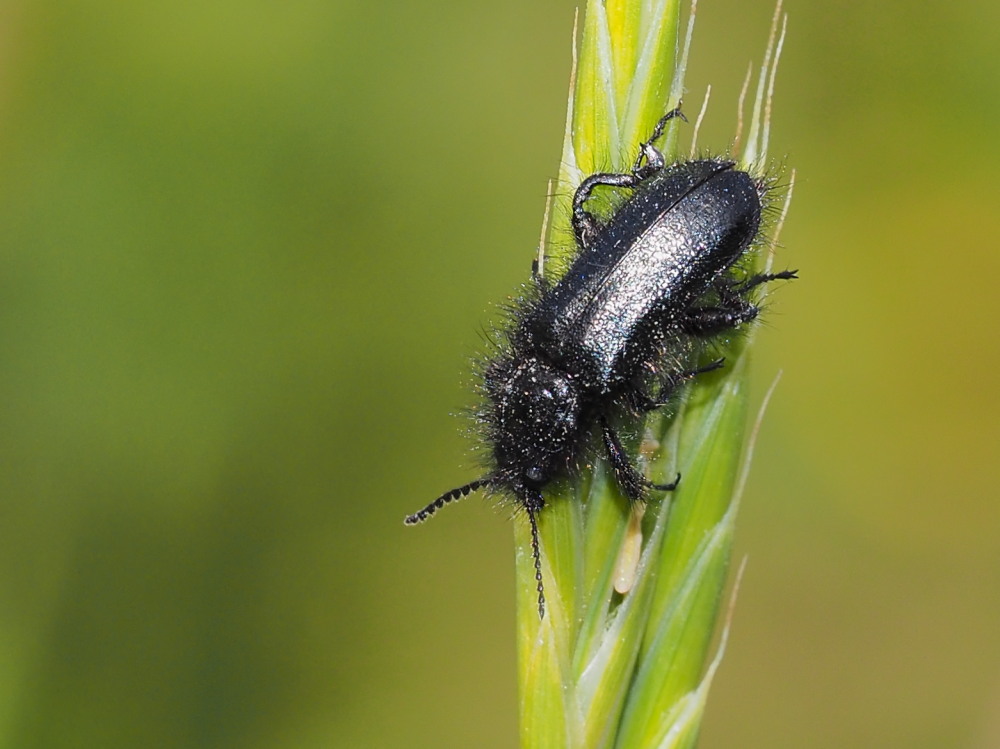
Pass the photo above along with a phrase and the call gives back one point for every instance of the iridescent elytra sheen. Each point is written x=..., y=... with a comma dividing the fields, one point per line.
x=619, y=333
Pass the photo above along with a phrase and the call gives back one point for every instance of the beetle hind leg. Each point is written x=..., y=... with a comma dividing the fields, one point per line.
x=646, y=149
x=647, y=163
x=762, y=278
x=732, y=308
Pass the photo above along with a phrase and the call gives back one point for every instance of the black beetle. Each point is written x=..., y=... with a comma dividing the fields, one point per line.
x=617, y=333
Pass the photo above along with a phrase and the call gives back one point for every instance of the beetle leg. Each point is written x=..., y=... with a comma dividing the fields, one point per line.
x=692, y=373
x=653, y=157
x=732, y=309
x=632, y=483
x=642, y=402
x=585, y=224
x=662, y=124
x=707, y=321
x=645, y=403
x=762, y=278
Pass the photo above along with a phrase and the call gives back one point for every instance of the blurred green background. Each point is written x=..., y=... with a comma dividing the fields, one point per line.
x=245, y=252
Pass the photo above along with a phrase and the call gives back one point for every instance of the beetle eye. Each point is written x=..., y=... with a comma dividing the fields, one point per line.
x=535, y=474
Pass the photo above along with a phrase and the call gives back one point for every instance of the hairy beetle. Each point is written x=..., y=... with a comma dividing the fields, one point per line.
x=618, y=332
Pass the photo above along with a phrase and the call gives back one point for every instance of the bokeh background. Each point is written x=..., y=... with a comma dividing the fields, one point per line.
x=245, y=250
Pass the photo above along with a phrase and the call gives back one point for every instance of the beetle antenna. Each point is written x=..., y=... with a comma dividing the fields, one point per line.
x=449, y=496
x=537, y=557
